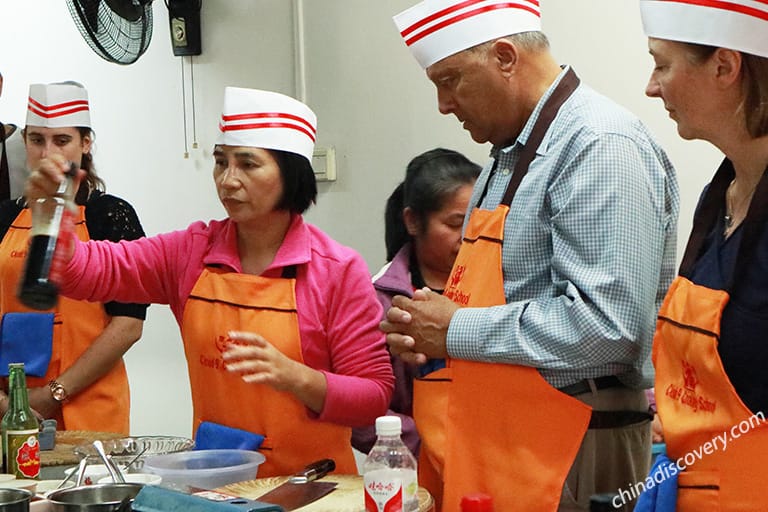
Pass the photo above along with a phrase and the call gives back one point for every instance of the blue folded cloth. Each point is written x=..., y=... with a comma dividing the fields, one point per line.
x=26, y=338
x=661, y=496
x=152, y=498
x=213, y=436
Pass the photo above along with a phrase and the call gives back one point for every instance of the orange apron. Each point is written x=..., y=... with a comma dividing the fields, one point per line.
x=695, y=399
x=103, y=406
x=501, y=429
x=223, y=301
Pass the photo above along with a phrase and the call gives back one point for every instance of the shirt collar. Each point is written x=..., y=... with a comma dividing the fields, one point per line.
x=525, y=133
x=295, y=249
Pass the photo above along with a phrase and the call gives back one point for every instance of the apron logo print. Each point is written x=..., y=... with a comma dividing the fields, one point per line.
x=222, y=342
x=457, y=275
x=689, y=377
x=453, y=291
x=686, y=394
x=216, y=363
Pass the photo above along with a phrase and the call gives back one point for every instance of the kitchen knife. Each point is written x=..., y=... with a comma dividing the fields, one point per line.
x=301, y=488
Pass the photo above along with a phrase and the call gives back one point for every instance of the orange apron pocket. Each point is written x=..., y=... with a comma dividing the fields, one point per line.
x=698, y=491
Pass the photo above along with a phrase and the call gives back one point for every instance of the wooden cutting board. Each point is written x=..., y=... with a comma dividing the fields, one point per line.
x=347, y=497
x=66, y=441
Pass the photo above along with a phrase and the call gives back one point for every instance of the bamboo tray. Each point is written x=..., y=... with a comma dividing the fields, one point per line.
x=66, y=441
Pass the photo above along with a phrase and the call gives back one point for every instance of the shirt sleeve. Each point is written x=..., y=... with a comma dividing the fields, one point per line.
x=114, y=219
x=607, y=230
x=360, y=380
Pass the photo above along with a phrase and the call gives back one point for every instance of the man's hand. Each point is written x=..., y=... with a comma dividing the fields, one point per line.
x=417, y=328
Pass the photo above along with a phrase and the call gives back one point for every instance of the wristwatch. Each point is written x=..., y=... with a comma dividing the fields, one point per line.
x=58, y=391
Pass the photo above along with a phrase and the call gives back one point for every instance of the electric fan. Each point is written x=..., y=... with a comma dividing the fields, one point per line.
x=117, y=30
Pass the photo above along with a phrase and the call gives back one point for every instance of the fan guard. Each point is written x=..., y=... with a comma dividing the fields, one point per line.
x=117, y=30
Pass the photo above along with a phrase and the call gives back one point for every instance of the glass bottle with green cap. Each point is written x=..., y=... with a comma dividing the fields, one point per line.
x=20, y=429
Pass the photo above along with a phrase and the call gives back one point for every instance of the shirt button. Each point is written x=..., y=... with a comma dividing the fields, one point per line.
x=504, y=171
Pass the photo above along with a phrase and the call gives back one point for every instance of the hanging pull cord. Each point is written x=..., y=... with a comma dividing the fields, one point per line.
x=192, y=93
x=184, y=108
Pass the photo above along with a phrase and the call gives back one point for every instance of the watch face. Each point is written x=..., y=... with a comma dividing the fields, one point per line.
x=59, y=393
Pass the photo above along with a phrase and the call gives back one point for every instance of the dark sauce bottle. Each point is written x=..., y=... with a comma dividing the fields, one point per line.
x=51, y=216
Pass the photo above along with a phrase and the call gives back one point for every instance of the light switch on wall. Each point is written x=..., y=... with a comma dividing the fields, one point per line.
x=324, y=164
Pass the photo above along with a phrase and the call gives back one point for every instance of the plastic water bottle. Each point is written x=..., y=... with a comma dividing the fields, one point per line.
x=389, y=471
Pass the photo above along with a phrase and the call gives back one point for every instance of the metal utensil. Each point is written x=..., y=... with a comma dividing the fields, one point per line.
x=69, y=476
x=301, y=488
x=114, y=471
x=80, y=472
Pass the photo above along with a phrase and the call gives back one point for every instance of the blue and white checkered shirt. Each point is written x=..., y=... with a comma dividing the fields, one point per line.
x=589, y=248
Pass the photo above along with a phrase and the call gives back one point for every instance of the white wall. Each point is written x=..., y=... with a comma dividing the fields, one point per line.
x=374, y=105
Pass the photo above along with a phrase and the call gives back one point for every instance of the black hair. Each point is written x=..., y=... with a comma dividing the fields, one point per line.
x=431, y=178
x=299, y=185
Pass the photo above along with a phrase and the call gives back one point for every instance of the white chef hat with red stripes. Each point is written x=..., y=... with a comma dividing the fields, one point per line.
x=58, y=105
x=735, y=24
x=436, y=29
x=269, y=120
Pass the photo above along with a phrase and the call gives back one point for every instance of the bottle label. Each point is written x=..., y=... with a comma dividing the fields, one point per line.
x=390, y=490
x=63, y=246
x=22, y=455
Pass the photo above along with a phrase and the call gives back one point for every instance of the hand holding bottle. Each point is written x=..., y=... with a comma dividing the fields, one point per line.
x=51, y=243
x=45, y=179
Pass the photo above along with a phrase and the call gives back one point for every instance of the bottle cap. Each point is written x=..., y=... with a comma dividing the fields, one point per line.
x=478, y=502
x=389, y=426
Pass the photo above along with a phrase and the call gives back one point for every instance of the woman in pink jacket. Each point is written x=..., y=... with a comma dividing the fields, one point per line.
x=279, y=321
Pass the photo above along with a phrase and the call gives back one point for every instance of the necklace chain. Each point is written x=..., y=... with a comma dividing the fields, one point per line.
x=730, y=208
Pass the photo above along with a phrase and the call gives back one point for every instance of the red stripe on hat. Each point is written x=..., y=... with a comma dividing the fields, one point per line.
x=257, y=126
x=460, y=17
x=58, y=105
x=263, y=115
x=53, y=115
x=727, y=6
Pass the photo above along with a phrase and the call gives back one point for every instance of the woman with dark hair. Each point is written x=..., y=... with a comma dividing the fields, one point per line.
x=73, y=354
x=279, y=321
x=423, y=220
x=710, y=351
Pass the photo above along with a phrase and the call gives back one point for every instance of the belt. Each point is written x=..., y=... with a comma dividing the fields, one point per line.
x=583, y=386
x=606, y=419
x=617, y=419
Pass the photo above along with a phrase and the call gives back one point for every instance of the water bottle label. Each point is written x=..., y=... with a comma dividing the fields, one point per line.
x=22, y=453
x=385, y=493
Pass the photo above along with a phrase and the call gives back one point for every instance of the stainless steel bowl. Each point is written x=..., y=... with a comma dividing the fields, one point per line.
x=93, y=498
x=15, y=500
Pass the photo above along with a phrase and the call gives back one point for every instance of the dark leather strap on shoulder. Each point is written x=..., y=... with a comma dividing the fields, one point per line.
x=707, y=217
x=562, y=92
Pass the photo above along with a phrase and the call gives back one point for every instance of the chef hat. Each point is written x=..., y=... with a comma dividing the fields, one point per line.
x=737, y=24
x=436, y=29
x=269, y=120
x=58, y=105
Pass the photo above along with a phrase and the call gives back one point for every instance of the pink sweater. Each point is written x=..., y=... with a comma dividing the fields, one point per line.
x=337, y=306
